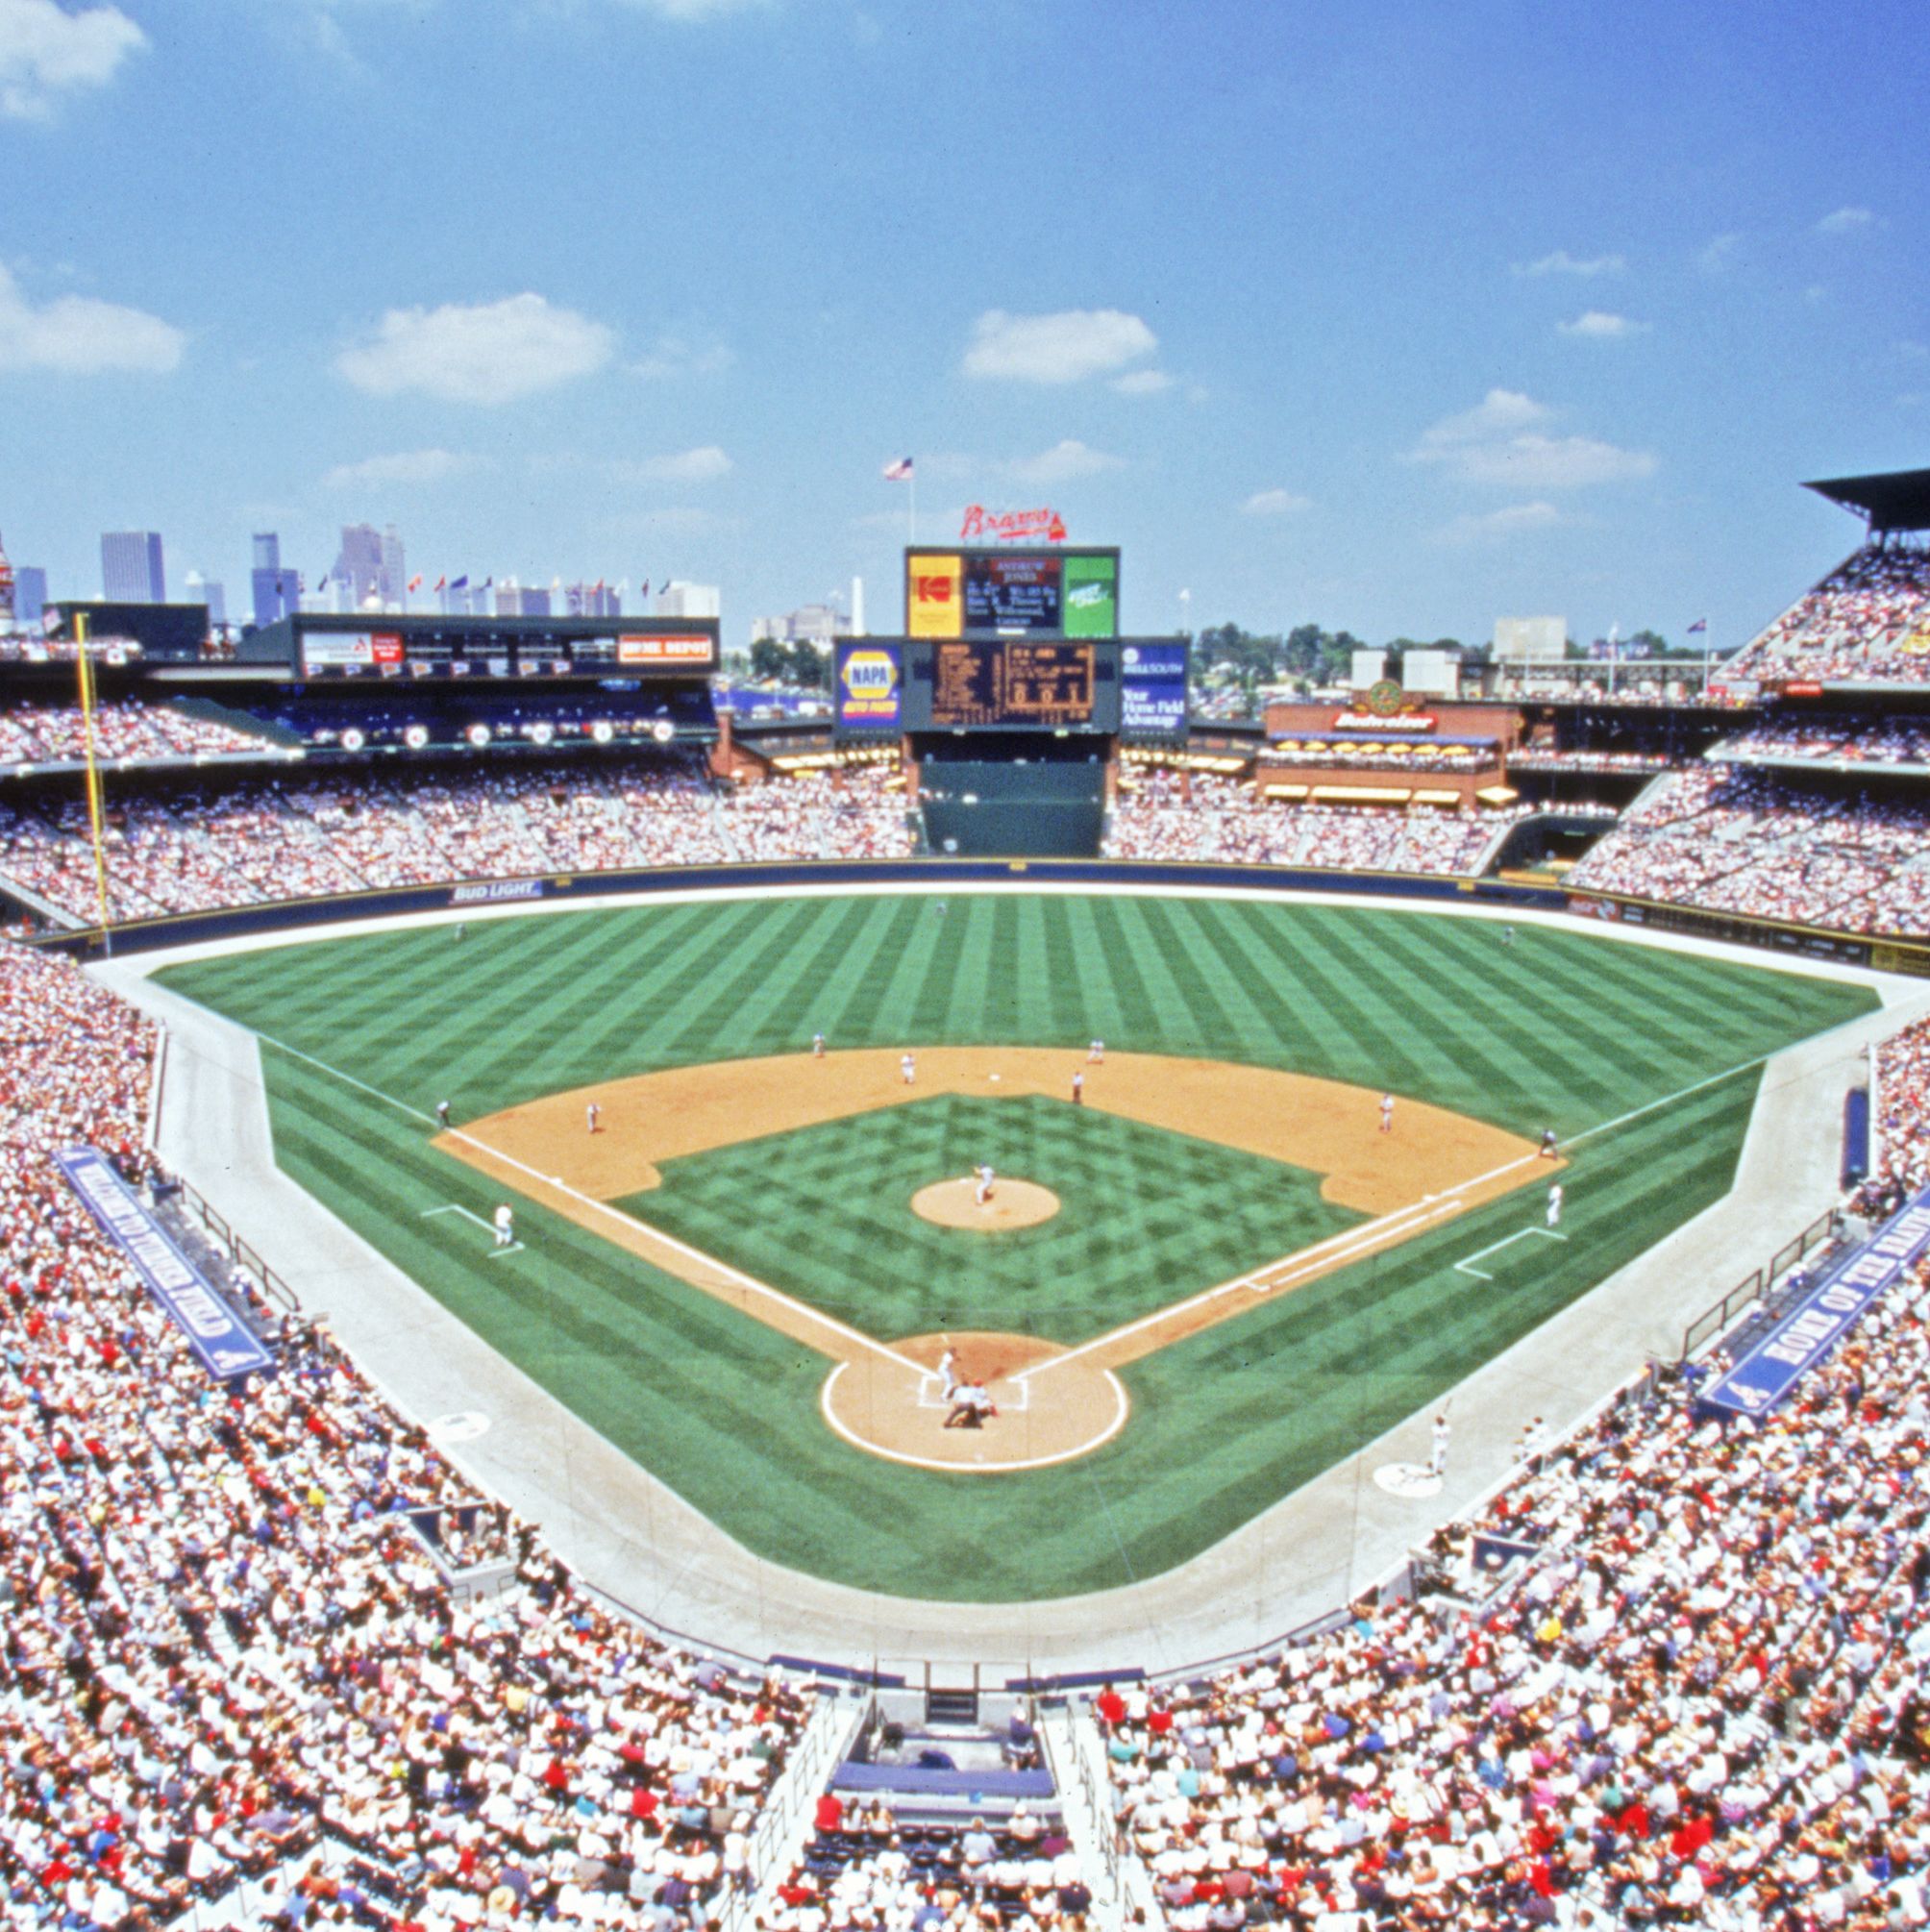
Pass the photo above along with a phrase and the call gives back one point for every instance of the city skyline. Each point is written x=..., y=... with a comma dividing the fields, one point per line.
x=1397, y=324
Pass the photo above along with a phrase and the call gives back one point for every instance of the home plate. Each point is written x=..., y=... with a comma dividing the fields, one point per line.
x=991, y=1077
x=1407, y=1478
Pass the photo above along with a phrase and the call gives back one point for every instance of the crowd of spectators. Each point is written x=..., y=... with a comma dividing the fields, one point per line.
x=1899, y=1123
x=1548, y=758
x=1227, y=821
x=20, y=648
x=858, y=812
x=1390, y=755
x=1852, y=740
x=56, y=734
x=1592, y=684
x=1701, y=1699
x=1867, y=621
x=223, y=1638
x=866, y=1871
x=1734, y=840
x=268, y=839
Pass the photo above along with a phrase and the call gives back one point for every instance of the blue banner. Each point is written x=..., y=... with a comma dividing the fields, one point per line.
x=870, y=686
x=223, y=1344
x=1153, y=688
x=1804, y=1336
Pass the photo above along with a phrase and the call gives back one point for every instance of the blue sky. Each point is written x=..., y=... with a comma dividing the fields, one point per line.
x=1393, y=318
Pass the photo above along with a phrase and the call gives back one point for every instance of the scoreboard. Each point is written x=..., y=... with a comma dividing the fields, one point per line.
x=1012, y=592
x=1132, y=685
x=1049, y=684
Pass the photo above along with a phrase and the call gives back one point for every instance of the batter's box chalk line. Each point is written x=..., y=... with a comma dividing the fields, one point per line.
x=932, y=1395
x=489, y=1227
x=1495, y=1247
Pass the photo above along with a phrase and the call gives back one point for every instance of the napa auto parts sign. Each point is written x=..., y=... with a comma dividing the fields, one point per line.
x=1011, y=526
x=870, y=686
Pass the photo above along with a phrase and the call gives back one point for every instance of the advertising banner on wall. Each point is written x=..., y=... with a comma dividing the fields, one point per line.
x=870, y=686
x=1091, y=596
x=1153, y=688
x=934, y=601
x=1807, y=1332
x=223, y=1344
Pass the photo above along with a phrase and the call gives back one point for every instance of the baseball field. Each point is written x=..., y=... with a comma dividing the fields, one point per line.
x=1191, y=1285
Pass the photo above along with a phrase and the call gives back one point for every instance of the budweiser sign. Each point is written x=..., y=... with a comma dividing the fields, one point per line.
x=1011, y=526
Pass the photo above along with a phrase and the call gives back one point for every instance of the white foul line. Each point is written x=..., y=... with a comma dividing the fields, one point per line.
x=1506, y=1241
x=697, y=1254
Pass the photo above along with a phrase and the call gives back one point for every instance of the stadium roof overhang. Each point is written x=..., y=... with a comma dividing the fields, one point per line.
x=1899, y=500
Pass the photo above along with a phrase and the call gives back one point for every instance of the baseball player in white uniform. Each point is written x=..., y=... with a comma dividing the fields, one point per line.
x=984, y=1174
x=1556, y=1205
x=506, y=1225
x=594, y=1114
x=907, y=1067
x=817, y=1045
x=1387, y=1113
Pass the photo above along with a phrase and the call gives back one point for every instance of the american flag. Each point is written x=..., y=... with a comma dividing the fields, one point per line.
x=900, y=471
x=1700, y=624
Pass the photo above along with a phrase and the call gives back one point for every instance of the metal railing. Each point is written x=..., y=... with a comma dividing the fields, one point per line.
x=244, y=1254
x=1753, y=1287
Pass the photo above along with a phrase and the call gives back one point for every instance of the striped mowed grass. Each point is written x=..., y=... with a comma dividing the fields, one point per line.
x=1561, y=1029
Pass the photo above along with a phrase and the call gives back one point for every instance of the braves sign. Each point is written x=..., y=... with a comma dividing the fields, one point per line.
x=1012, y=526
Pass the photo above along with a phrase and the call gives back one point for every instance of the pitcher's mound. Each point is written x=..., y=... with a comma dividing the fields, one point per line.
x=1014, y=1203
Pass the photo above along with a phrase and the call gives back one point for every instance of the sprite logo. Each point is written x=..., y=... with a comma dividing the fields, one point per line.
x=1089, y=596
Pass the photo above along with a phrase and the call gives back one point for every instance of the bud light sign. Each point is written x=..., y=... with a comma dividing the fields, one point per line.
x=1152, y=690
x=870, y=686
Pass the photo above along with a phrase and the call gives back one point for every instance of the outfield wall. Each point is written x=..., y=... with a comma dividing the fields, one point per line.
x=235, y=922
x=188, y=928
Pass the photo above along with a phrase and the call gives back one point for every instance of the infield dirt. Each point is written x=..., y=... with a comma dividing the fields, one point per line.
x=1053, y=1402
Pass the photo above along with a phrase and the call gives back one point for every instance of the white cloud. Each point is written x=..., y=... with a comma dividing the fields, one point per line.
x=81, y=336
x=403, y=466
x=704, y=464
x=1562, y=262
x=491, y=352
x=1847, y=221
x=1500, y=413
x=1275, y=503
x=671, y=356
x=1066, y=347
x=1064, y=460
x=1497, y=526
x=1720, y=252
x=1143, y=383
x=1598, y=325
x=1500, y=443
x=690, y=11
x=46, y=51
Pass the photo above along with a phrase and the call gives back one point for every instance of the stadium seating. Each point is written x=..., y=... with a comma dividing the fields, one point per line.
x=264, y=839
x=56, y=733
x=1226, y=823
x=1740, y=841
x=224, y=1642
x=1867, y=621
x=1700, y=1700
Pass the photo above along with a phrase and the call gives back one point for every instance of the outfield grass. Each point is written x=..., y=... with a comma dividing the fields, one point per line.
x=1562, y=1028
x=1144, y=1216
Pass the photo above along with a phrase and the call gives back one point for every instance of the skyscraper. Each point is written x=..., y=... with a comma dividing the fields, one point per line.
x=131, y=571
x=277, y=592
x=391, y=578
x=29, y=594
x=357, y=571
x=198, y=589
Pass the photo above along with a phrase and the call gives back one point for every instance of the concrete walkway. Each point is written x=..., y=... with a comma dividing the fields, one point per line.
x=636, y=1540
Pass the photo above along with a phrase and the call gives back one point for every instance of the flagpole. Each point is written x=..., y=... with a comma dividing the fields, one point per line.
x=911, y=513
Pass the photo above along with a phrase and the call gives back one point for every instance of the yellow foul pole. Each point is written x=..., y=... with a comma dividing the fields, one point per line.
x=86, y=677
